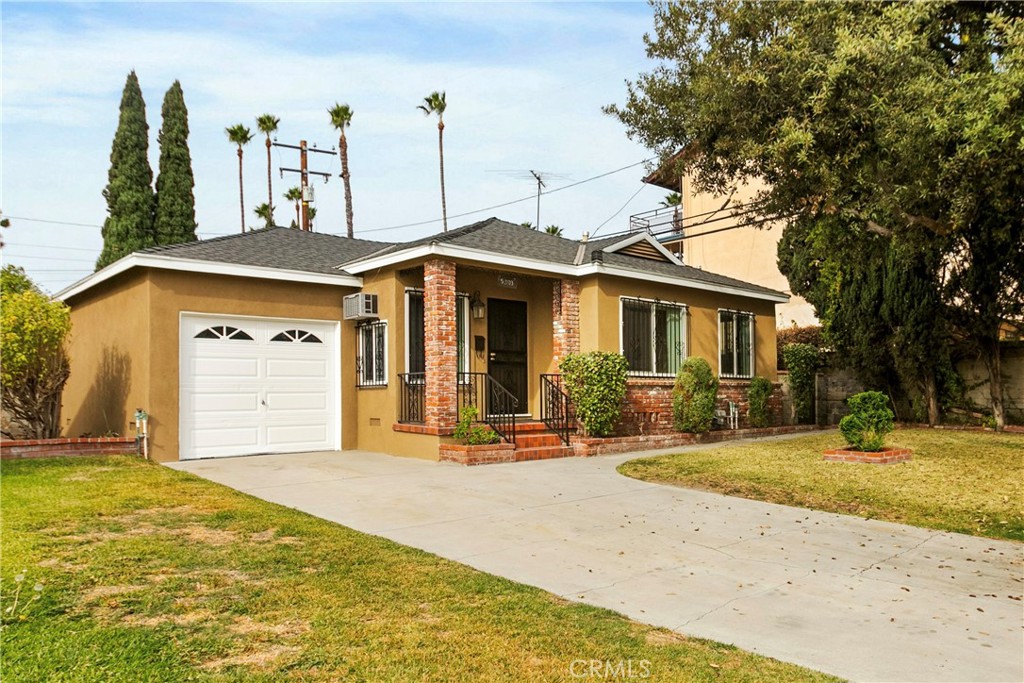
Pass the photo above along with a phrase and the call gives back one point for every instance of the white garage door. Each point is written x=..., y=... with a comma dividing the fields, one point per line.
x=256, y=385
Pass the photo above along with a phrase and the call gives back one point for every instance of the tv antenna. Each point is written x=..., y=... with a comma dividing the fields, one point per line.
x=542, y=178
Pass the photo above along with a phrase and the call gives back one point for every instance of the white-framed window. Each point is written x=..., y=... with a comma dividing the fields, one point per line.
x=653, y=337
x=735, y=344
x=371, y=354
x=415, y=346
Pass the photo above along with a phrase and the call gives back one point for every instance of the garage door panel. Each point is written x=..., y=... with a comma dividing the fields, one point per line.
x=308, y=434
x=289, y=368
x=211, y=368
x=225, y=402
x=240, y=397
x=292, y=401
x=224, y=436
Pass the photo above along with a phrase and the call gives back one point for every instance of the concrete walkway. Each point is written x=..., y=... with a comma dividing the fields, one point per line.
x=866, y=600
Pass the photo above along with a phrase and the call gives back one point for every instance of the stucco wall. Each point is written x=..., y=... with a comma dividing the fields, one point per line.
x=602, y=331
x=110, y=354
x=749, y=253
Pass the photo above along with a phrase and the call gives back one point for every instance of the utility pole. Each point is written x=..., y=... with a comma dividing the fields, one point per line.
x=304, y=173
x=540, y=186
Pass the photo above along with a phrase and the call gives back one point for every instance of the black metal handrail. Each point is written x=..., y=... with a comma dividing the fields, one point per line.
x=412, y=393
x=495, y=405
x=556, y=410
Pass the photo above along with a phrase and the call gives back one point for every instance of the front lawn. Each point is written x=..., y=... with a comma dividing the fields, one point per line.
x=971, y=482
x=149, y=574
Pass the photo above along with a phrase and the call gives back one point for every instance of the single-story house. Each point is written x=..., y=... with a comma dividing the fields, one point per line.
x=281, y=340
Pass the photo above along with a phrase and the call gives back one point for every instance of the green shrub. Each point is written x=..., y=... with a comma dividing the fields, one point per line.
x=868, y=422
x=758, y=395
x=473, y=434
x=803, y=361
x=596, y=384
x=693, y=397
x=784, y=336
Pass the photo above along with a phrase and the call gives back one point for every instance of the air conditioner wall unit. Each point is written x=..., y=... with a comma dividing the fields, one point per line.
x=360, y=307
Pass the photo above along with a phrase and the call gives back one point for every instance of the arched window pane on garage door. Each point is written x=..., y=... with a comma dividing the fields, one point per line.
x=224, y=332
x=296, y=336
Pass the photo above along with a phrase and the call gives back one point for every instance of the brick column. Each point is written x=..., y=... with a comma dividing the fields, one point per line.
x=440, y=344
x=565, y=319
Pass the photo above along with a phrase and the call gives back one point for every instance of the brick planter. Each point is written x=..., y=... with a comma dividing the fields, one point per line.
x=886, y=456
x=53, y=448
x=476, y=455
x=590, y=446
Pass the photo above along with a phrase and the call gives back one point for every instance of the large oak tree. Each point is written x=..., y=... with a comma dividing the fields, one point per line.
x=876, y=126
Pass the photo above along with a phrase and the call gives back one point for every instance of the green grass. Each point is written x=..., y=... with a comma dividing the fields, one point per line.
x=970, y=482
x=155, y=575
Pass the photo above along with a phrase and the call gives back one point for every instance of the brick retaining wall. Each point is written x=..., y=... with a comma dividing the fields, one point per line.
x=52, y=448
x=586, y=446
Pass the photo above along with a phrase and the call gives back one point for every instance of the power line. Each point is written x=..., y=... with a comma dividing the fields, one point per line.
x=504, y=204
x=47, y=246
x=394, y=227
x=619, y=211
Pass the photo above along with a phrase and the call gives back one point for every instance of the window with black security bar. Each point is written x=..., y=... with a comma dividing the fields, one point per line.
x=735, y=344
x=371, y=354
x=415, y=350
x=653, y=336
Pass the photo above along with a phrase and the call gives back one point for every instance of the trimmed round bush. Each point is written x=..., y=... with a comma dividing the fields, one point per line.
x=693, y=397
x=869, y=421
x=757, y=396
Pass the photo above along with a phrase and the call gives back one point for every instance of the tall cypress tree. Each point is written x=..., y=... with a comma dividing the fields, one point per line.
x=175, y=220
x=129, y=191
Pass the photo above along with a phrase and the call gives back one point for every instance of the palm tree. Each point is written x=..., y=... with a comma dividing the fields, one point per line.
x=240, y=135
x=674, y=199
x=312, y=215
x=295, y=195
x=264, y=212
x=553, y=230
x=267, y=123
x=341, y=118
x=434, y=104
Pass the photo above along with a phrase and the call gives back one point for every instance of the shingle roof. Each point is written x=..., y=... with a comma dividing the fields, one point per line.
x=501, y=237
x=284, y=248
x=312, y=252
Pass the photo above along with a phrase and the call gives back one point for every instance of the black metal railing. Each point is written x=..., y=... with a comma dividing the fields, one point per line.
x=556, y=410
x=412, y=392
x=495, y=405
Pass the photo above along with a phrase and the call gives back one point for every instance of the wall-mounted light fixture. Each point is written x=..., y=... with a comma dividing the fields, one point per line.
x=477, y=306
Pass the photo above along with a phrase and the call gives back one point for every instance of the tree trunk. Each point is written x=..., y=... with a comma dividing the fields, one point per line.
x=993, y=362
x=440, y=152
x=298, y=216
x=270, y=187
x=241, y=196
x=343, y=148
x=931, y=397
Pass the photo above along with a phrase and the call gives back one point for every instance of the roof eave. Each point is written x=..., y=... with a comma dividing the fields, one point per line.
x=138, y=260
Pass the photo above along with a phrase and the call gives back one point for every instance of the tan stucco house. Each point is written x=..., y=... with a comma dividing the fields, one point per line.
x=281, y=340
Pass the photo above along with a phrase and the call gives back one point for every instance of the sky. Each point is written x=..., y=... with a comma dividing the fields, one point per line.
x=525, y=83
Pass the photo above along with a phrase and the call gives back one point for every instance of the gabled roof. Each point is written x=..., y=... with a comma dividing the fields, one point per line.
x=299, y=256
x=499, y=243
x=271, y=254
x=275, y=248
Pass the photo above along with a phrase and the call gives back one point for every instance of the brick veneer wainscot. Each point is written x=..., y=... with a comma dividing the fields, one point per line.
x=649, y=404
x=440, y=344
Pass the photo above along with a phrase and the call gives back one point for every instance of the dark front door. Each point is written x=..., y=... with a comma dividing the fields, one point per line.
x=506, y=341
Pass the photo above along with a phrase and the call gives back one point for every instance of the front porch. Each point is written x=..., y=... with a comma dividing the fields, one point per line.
x=492, y=341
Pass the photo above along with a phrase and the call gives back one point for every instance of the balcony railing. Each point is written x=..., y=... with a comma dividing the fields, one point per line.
x=662, y=221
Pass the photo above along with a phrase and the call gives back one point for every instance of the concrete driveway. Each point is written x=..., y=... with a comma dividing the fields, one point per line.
x=865, y=600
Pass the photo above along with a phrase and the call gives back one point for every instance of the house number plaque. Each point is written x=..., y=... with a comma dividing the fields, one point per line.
x=508, y=281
